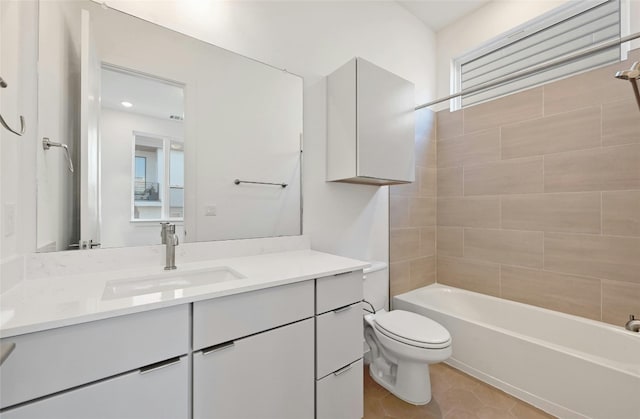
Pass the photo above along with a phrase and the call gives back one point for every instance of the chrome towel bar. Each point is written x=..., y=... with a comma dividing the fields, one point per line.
x=238, y=181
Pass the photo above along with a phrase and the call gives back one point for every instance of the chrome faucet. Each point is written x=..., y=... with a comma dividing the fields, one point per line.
x=633, y=324
x=170, y=239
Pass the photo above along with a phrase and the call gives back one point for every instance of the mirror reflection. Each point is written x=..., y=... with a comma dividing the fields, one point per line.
x=161, y=125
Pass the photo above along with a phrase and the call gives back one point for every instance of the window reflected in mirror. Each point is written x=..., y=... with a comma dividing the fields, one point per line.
x=144, y=115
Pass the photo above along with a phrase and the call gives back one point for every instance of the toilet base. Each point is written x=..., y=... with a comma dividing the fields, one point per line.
x=408, y=381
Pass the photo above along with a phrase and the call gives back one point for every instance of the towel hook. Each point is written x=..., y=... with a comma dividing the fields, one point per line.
x=3, y=84
x=47, y=144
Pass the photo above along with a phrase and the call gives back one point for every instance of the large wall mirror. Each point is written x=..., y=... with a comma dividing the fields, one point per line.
x=160, y=127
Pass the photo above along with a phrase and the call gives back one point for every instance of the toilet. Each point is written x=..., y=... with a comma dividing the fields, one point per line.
x=400, y=345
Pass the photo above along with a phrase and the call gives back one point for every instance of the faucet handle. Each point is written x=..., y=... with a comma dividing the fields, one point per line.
x=632, y=317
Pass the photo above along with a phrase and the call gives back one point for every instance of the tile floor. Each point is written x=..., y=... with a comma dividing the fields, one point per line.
x=455, y=395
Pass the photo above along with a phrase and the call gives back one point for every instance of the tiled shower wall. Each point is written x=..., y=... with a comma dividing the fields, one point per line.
x=412, y=216
x=538, y=200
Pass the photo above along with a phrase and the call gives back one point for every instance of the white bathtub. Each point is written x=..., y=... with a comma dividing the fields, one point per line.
x=566, y=365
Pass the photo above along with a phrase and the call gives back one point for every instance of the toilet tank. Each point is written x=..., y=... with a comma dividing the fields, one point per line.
x=376, y=285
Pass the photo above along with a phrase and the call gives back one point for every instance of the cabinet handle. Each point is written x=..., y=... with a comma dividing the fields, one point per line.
x=343, y=273
x=341, y=309
x=219, y=347
x=159, y=365
x=5, y=351
x=343, y=370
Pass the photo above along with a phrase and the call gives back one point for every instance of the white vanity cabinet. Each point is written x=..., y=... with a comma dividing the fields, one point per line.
x=115, y=362
x=156, y=392
x=371, y=128
x=339, y=334
x=254, y=354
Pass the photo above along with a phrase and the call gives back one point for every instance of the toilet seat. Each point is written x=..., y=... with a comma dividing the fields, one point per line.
x=412, y=329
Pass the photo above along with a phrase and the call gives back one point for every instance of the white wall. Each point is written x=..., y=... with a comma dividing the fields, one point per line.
x=312, y=39
x=116, y=147
x=58, y=119
x=18, y=56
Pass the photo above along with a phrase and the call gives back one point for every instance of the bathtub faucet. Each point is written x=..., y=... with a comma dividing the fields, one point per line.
x=633, y=324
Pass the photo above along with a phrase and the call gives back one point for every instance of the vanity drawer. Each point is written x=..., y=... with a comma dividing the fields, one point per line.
x=338, y=290
x=340, y=395
x=53, y=360
x=161, y=393
x=338, y=338
x=227, y=318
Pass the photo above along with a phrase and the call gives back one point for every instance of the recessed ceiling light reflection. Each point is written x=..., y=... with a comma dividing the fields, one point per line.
x=126, y=104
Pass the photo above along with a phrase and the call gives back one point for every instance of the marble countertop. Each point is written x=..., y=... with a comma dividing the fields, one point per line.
x=41, y=304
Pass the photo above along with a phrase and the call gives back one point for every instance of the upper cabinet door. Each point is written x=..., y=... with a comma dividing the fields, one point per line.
x=385, y=106
x=371, y=127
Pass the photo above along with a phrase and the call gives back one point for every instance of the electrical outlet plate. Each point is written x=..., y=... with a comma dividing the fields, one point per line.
x=210, y=211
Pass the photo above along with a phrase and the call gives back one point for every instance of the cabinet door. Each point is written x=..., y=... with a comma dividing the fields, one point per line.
x=159, y=391
x=340, y=395
x=267, y=375
x=385, y=124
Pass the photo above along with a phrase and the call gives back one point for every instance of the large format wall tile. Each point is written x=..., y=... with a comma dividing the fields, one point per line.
x=422, y=272
x=470, y=275
x=399, y=277
x=564, y=212
x=600, y=169
x=569, y=131
x=428, y=181
x=544, y=185
x=428, y=241
x=404, y=244
x=451, y=152
x=450, y=181
x=621, y=213
x=620, y=123
x=606, y=257
x=449, y=124
x=506, y=110
x=398, y=211
x=480, y=211
x=504, y=177
x=422, y=212
x=619, y=299
x=475, y=148
x=509, y=247
x=567, y=293
x=482, y=147
x=449, y=241
x=592, y=88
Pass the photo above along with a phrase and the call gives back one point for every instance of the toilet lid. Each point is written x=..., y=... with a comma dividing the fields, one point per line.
x=413, y=328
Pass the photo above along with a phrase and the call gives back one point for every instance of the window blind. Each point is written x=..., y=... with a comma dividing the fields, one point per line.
x=554, y=37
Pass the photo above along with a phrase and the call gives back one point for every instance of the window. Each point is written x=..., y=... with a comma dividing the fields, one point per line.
x=566, y=30
x=158, y=181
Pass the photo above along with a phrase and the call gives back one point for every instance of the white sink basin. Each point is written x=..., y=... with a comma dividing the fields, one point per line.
x=168, y=281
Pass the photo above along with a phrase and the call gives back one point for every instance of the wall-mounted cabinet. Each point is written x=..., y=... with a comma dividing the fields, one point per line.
x=371, y=127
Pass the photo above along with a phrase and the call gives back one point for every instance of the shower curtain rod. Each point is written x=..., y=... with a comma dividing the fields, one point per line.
x=533, y=70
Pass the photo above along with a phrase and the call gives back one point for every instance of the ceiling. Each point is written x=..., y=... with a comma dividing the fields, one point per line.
x=437, y=14
x=148, y=96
